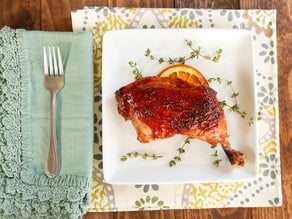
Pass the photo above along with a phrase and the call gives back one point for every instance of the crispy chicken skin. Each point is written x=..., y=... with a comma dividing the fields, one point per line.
x=160, y=107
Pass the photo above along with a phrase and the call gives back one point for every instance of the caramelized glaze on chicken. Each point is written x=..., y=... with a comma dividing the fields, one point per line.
x=160, y=107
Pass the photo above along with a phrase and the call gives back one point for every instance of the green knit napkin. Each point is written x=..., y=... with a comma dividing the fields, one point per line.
x=25, y=190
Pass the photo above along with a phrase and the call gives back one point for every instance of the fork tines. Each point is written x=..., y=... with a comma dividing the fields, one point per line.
x=53, y=65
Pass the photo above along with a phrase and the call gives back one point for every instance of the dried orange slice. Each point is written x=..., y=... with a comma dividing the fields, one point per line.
x=186, y=73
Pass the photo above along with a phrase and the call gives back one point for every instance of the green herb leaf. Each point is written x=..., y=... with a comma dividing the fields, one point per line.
x=194, y=53
x=181, y=150
x=148, y=52
x=215, y=154
x=124, y=158
x=136, y=154
x=189, y=43
x=217, y=162
x=172, y=163
x=235, y=106
x=161, y=60
x=135, y=70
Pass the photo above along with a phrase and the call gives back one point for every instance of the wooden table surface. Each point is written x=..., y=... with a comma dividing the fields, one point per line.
x=55, y=16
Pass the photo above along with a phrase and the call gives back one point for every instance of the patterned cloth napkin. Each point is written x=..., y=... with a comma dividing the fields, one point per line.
x=265, y=190
x=25, y=190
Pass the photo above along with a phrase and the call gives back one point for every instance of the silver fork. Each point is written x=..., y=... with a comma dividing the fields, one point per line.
x=54, y=81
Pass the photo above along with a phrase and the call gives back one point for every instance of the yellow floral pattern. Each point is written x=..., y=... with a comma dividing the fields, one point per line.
x=261, y=191
x=212, y=194
x=99, y=196
x=272, y=111
x=271, y=148
x=182, y=22
x=110, y=22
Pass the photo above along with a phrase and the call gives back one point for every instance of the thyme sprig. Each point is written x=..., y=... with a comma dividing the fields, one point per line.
x=136, y=154
x=194, y=54
x=135, y=70
x=252, y=119
x=215, y=154
x=181, y=150
x=234, y=107
x=197, y=52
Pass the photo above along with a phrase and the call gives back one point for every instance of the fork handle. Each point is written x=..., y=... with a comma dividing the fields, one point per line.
x=53, y=162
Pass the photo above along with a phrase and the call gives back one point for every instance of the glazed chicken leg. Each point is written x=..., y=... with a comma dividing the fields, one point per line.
x=160, y=107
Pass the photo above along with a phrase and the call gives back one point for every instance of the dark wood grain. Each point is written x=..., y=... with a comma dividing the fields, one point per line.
x=20, y=14
x=263, y=4
x=55, y=15
x=231, y=4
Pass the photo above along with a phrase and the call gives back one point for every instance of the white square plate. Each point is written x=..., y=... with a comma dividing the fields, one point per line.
x=119, y=136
